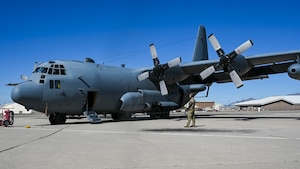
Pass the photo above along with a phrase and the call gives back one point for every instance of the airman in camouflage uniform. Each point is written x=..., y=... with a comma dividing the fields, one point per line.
x=191, y=111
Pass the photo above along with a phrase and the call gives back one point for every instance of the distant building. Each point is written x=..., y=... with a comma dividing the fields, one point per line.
x=271, y=103
x=208, y=105
x=204, y=105
x=16, y=108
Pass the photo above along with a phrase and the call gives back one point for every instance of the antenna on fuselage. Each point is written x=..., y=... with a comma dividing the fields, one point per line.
x=90, y=60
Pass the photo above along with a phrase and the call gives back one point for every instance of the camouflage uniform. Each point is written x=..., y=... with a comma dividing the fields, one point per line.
x=191, y=112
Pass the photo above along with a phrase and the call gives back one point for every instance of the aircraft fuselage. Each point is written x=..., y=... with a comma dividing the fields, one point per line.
x=71, y=87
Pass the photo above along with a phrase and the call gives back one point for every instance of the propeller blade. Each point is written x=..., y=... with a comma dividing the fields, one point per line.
x=243, y=47
x=236, y=79
x=154, y=54
x=174, y=62
x=143, y=76
x=207, y=72
x=214, y=42
x=216, y=45
x=163, y=88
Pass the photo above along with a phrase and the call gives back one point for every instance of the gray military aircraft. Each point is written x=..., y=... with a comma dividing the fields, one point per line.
x=60, y=88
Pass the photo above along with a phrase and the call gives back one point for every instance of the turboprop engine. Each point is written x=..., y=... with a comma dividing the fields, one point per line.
x=294, y=71
x=142, y=100
x=147, y=100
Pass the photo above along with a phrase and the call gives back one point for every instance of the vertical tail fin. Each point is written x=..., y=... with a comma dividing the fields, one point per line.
x=200, y=51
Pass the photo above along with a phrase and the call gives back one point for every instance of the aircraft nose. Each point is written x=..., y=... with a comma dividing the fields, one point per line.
x=28, y=94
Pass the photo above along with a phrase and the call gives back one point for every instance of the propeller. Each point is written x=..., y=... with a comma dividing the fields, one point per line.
x=158, y=70
x=226, y=60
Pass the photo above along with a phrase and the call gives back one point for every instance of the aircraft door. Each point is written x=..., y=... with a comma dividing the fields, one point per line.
x=91, y=99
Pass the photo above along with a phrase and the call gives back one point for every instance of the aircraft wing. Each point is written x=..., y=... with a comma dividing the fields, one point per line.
x=260, y=67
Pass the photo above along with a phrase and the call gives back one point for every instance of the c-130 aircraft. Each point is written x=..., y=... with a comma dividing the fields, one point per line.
x=60, y=88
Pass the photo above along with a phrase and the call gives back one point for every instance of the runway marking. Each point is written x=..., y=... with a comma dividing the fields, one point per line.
x=36, y=139
x=174, y=134
x=190, y=134
x=65, y=129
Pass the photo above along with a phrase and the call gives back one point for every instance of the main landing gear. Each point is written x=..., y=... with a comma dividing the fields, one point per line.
x=57, y=118
x=160, y=115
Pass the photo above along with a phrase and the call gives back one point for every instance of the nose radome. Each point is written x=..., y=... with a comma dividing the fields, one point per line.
x=28, y=94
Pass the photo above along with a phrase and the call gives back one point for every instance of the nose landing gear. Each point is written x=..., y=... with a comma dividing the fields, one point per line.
x=57, y=118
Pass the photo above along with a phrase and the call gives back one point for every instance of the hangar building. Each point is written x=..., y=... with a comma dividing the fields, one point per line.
x=271, y=103
x=16, y=108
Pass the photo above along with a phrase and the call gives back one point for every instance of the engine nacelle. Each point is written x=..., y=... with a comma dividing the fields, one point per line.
x=141, y=100
x=174, y=75
x=241, y=65
x=132, y=101
x=294, y=71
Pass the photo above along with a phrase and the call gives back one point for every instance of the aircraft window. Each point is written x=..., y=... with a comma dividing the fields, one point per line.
x=40, y=70
x=43, y=76
x=42, y=81
x=51, y=84
x=54, y=84
x=57, y=84
x=62, y=71
x=43, y=70
x=56, y=72
x=36, y=70
x=50, y=71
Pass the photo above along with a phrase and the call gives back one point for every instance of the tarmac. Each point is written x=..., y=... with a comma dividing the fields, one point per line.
x=235, y=140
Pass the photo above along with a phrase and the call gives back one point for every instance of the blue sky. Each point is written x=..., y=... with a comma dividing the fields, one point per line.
x=119, y=32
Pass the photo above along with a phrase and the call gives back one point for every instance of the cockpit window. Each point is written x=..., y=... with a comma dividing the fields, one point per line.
x=53, y=70
x=56, y=72
x=50, y=71
x=40, y=70
x=62, y=71
x=44, y=70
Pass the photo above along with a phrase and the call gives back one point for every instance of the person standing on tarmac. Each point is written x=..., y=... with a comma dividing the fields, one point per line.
x=191, y=111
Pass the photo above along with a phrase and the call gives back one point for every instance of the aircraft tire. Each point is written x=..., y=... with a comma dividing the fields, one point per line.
x=52, y=119
x=61, y=118
x=165, y=115
x=57, y=118
x=116, y=116
x=154, y=116
x=160, y=115
x=121, y=116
